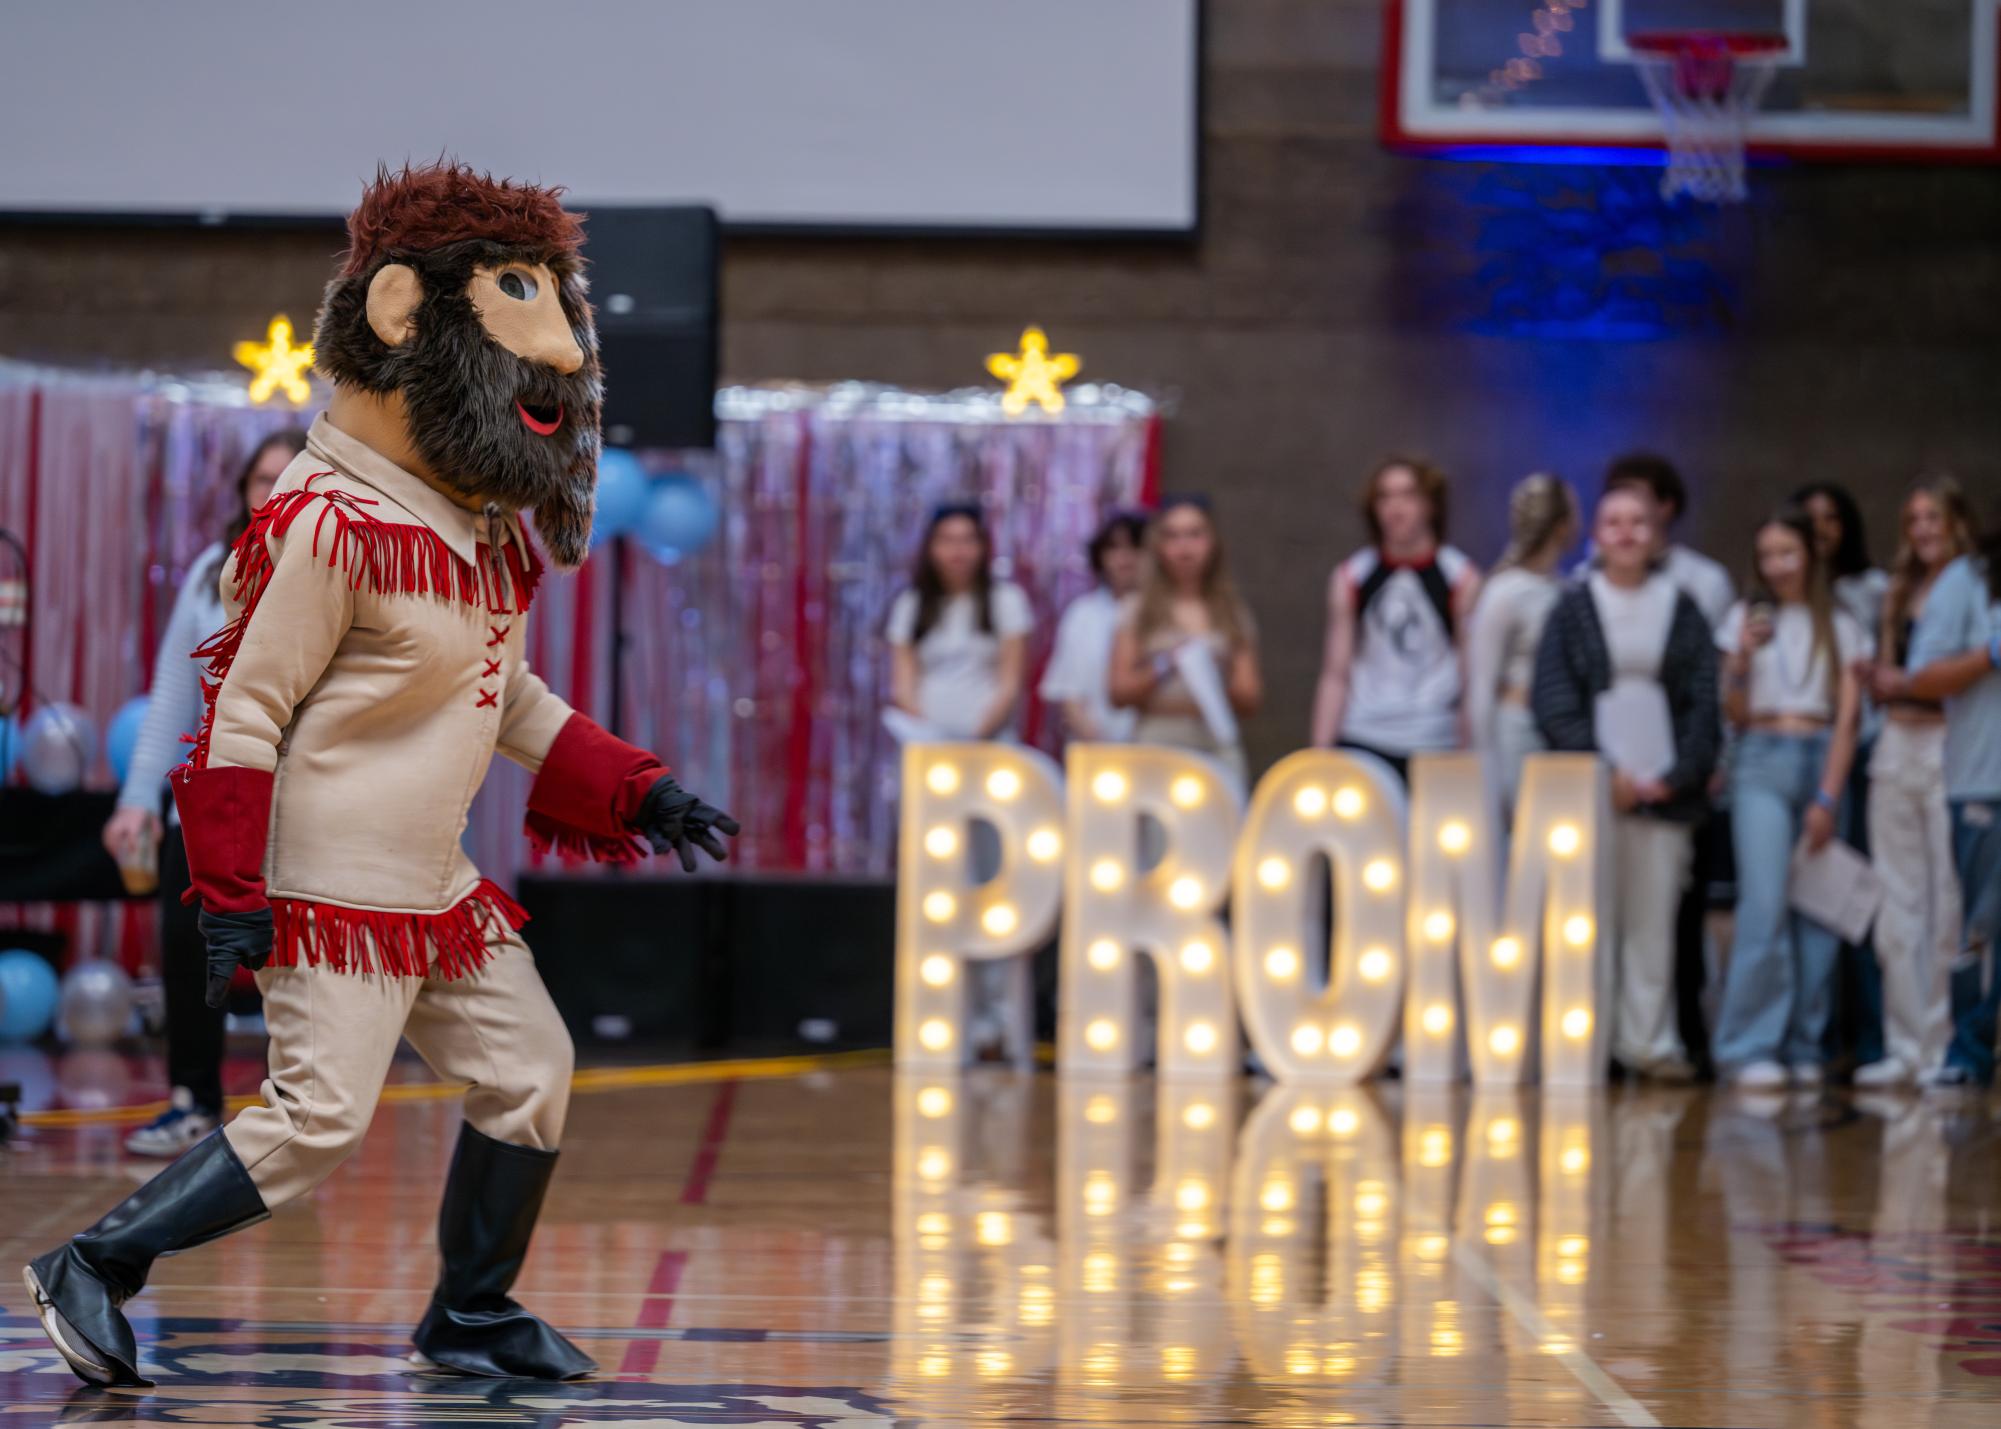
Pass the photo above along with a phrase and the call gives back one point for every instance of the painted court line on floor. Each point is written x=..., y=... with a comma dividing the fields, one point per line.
x=589, y=1080
x=1554, y=1342
x=642, y=1357
x=695, y=1190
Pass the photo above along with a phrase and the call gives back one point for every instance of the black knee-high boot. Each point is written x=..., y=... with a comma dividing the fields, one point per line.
x=492, y=1199
x=78, y=1287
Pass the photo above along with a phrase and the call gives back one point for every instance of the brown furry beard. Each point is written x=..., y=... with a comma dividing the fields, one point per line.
x=460, y=389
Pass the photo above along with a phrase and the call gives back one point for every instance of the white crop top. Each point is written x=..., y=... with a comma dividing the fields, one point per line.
x=1788, y=675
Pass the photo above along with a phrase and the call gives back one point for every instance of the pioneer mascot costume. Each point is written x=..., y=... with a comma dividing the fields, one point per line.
x=372, y=668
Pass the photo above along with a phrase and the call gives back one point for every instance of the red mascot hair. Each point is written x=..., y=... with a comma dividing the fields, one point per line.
x=418, y=210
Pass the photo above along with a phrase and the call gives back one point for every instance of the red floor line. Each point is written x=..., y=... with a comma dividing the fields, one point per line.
x=695, y=1191
x=643, y=1356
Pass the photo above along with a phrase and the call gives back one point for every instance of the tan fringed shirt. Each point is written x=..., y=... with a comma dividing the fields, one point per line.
x=378, y=672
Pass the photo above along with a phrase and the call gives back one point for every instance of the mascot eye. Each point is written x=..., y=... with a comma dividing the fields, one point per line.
x=517, y=285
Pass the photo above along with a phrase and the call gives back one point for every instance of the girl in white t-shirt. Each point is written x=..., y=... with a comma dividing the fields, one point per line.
x=957, y=647
x=958, y=638
x=1790, y=686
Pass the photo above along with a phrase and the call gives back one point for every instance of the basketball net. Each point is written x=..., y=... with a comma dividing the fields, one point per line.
x=1706, y=84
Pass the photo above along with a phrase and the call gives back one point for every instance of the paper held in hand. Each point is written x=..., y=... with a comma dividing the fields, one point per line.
x=1635, y=729
x=1836, y=887
x=906, y=728
x=1196, y=665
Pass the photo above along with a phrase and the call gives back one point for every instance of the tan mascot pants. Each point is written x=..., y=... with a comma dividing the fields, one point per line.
x=333, y=1035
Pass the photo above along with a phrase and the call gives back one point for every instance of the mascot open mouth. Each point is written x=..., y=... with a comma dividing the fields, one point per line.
x=542, y=420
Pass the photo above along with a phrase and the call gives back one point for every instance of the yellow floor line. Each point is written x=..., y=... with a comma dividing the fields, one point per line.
x=590, y=1079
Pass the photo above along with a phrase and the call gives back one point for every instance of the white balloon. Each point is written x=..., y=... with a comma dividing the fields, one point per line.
x=96, y=1006
x=57, y=748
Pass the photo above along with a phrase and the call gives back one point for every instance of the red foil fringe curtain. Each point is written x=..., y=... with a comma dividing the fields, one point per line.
x=755, y=667
x=113, y=484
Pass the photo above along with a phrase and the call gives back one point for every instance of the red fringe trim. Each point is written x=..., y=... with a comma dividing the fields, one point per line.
x=395, y=944
x=571, y=842
x=387, y=557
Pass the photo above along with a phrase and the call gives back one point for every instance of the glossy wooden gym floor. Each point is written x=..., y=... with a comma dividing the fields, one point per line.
x=822, y=1243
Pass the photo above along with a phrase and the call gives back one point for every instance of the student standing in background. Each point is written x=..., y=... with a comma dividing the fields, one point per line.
x=1186, y=598
x=1077, y=680
x=1393, y=671
x=1708, y=584
x=195, y=1041
x=1910, y=826
x=1956, y=657
x=1508, y=618
x=1791, y=690
x=1621, y=644
x=958, y=638
x=957, y=647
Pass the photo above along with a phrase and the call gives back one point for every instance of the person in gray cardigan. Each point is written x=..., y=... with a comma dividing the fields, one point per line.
x=1627, y=668
x=194, y=1030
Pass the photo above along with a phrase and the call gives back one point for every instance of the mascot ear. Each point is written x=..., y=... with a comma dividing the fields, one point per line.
x=393, y=295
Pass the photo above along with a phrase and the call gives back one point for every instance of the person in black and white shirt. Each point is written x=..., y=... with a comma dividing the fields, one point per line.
x=1393, y=672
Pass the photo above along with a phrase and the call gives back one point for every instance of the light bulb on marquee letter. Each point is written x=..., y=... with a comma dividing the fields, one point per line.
x=942, y=915
x=1341, y=1033
x=1168, y=911
x=1494, y=943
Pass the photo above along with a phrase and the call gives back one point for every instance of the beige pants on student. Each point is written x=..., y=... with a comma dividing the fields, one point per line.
x=1917, y=925
x=1651, y=870
x=333, y=1035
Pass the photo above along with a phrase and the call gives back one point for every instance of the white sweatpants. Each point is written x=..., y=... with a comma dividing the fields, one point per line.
x=1917, y=926
x=1652, y=859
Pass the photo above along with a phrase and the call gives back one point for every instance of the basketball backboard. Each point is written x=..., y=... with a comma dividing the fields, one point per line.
x=1864, y=80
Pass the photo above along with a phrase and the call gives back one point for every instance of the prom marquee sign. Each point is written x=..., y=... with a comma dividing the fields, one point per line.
x=1479, y=949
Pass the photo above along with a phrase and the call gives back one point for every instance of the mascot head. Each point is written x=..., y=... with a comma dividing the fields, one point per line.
x=461, y=306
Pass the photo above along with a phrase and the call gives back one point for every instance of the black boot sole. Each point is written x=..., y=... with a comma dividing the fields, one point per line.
x=85, y=1360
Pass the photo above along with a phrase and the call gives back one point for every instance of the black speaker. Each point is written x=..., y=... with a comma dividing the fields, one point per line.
x=653, y=275
x=812, y=960
x=748, y=962
x=627, y=957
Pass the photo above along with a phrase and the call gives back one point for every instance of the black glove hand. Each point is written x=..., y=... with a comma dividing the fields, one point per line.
x=234, y=940
x=673, y=820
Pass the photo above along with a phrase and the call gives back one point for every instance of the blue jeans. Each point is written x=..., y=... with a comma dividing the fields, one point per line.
x=1976, y=990
x=1780, y=987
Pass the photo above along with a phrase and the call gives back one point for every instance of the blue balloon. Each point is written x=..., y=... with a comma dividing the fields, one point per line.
x=680, y=518
x=622, y=493
x=28, y=994
x=122, y=735
x=10, y=746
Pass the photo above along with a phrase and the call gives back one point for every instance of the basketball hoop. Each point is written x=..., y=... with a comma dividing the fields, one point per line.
x=1706, y=84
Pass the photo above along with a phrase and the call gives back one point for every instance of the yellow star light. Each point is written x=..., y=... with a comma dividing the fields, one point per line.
x=1034, y=374
x=277, y=363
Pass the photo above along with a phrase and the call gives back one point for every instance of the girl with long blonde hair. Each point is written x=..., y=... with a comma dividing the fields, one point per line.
x=1508, y=617
x=1186, y=598
x=1910, y=827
